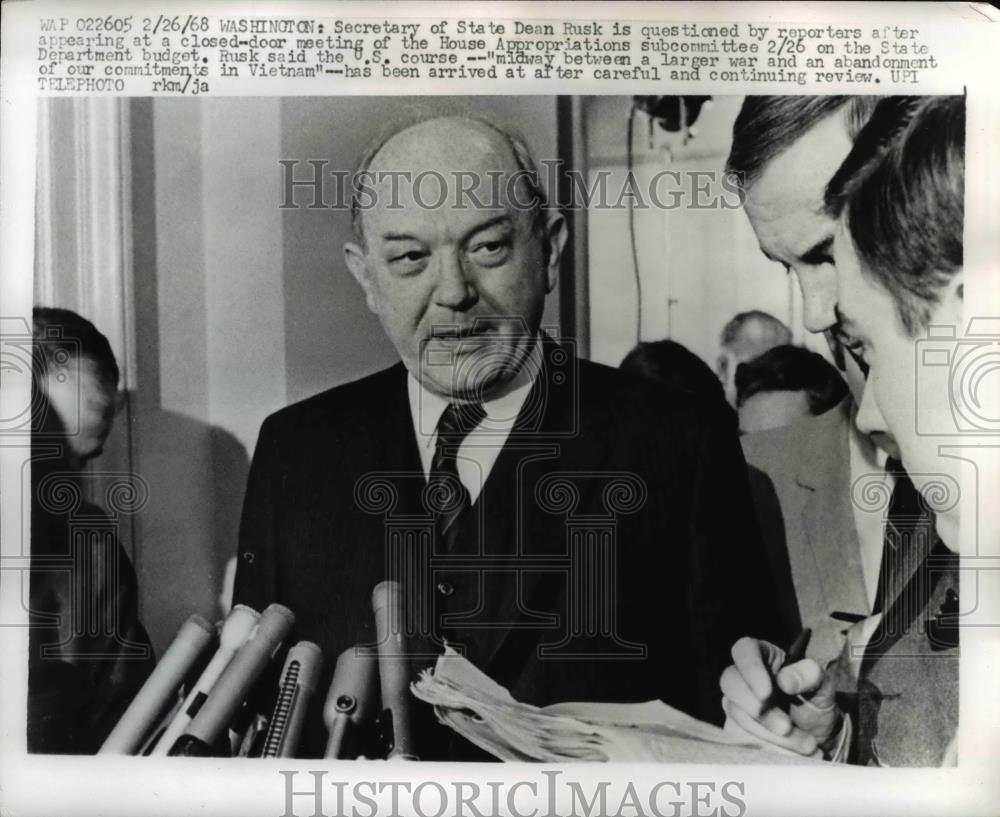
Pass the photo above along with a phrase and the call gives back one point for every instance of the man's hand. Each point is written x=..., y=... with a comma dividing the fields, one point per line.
x=756, y=698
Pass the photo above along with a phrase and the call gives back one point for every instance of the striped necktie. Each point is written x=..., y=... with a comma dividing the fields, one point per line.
x=905, y=521
x=449, y=498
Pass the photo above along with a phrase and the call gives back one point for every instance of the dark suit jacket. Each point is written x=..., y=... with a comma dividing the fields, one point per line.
x=89, y=653
x=906, y=712
x=801, y=482
x=612, y=554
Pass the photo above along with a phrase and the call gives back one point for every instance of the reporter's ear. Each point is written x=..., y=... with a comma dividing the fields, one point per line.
x=953, y=300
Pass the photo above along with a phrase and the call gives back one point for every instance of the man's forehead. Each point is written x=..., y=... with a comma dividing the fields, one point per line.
x=448, y=174
x=447, y=145
x=808, y=163
x=788, y=233
x=785, y=203
x=431, y=209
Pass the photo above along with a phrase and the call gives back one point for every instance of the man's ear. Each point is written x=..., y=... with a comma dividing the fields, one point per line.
x=557, y=233
x=354, y=257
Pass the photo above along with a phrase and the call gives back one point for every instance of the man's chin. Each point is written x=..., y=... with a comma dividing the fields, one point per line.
x=469, y=369
x=473, y=386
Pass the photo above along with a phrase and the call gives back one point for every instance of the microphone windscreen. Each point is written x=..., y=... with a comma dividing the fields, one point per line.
x=235, y=631
x=299, y=677
x=193, y=638
x=351, y=701
x=393, y=669
x=238, y=678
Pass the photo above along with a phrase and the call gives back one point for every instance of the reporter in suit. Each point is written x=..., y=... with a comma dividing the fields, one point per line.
x=825, y=552
x=899, y=197
x=800, y=478
x=89, y=652
x=584, y=555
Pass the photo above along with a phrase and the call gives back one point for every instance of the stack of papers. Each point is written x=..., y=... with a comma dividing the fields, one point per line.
x=485, y=713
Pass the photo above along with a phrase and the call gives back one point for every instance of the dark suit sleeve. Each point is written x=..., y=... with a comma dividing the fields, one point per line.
x=256, y=566
x=731, y=590
x=772, y=528
x=135, y=659
x=85, y=669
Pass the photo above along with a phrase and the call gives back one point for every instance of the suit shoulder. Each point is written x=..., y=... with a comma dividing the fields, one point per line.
x=641, y=399
x=342, y=400
x=789, y=444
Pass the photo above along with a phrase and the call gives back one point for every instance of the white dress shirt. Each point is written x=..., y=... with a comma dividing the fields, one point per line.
x=868, y=460
x=480, y=449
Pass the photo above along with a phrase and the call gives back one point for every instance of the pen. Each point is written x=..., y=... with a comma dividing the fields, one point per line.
x=797, y=649
x=796, y=652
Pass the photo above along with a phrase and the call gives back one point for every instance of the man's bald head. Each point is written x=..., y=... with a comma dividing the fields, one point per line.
x=755, y=332
x=746, y=336
x=465, y=146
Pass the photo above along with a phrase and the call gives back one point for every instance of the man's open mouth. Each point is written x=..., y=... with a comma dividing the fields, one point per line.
x=459, y=332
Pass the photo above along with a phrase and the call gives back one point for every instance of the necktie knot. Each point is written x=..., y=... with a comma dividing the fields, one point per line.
x=458, y=420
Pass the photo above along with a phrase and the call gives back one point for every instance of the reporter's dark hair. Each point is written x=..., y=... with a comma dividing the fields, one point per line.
x=791, y=368
x=768, y=125
x=673, y=364
x=901, y=191
x=59, y=334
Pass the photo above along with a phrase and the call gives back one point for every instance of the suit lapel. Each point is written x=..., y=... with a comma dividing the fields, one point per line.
x=824, y=475
x=551, y=436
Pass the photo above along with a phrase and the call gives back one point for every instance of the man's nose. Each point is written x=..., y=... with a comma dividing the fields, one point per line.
x=454, y=289
x=870, y=419
x=819, y=297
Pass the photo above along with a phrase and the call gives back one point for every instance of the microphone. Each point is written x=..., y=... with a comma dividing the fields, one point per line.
x=393, y=670
x=234, y=634
x=194, y=636
x=234, y=684
x=295, y=689
x=350, y=701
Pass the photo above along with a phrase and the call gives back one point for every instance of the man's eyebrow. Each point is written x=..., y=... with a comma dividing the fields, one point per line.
x=503, y=218
x=819, y=253
x=399, y=237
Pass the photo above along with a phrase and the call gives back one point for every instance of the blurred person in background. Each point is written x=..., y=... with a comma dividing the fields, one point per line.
x=784, y=385
x=672, y=364
x=746, y=336
x=89, y=654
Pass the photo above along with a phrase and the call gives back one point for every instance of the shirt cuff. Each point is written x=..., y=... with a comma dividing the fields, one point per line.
x=837, y=747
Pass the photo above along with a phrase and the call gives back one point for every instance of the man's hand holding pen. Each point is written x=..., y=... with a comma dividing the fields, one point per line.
x=780, y=697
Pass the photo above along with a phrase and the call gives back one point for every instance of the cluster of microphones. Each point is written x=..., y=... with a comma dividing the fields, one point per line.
x=212, y=716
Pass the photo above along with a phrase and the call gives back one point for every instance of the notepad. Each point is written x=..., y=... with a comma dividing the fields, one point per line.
x=486, y=714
